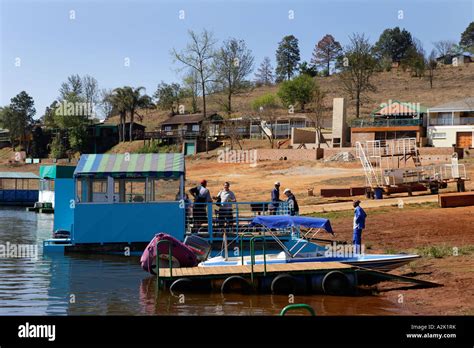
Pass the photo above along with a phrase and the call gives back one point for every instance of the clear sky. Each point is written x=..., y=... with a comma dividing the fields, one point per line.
x=51, y=46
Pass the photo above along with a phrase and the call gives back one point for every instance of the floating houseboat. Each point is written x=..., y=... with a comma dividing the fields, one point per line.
x=119, y=202
x=18, y=188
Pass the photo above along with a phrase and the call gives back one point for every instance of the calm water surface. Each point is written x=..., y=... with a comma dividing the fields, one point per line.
x=116, y=285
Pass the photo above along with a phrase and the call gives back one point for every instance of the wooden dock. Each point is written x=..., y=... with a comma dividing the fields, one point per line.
x=333, y=278
x=223, y=271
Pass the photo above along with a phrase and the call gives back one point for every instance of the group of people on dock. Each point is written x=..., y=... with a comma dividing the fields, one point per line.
x=226, y=197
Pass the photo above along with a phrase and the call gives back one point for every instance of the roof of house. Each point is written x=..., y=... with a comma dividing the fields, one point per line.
x=465, y=54
x=191, y=118
x=466, y=104
x=396, y=107
x=158, y=165
x=18, y=175
x=184, y=119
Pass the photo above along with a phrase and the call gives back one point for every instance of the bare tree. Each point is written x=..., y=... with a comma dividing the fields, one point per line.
x=232, y=64
x=198, y=55
x=444, y=47
x=357, y=69
x=73, y=86
x=264, y=75
x=431, y=65
x=317, y=110
x=91, y=90
x=191, y=87
x=106, y=102
x=232, y=128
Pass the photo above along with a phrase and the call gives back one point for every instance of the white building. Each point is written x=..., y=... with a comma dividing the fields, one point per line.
x=452, y=124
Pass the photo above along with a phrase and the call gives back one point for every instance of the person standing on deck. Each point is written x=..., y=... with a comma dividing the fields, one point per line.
x=292, y=203
x=275, y=199
x=359, y=225
x=223, y=198
x=201, y=195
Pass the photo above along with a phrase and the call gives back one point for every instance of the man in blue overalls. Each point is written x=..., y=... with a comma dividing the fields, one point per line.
x=359, y=224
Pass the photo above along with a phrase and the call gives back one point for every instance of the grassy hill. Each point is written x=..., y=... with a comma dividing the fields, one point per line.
x=450, y=83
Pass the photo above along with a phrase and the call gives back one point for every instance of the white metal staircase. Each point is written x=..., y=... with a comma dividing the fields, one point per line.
x=370, y=173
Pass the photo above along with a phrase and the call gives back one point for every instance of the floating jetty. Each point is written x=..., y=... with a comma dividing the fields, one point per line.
x=331, y=278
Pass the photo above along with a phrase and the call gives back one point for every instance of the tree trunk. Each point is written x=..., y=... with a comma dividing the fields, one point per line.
x=123, y=127
x=357, y=103
x=120, y=128
x=204, y=112
x=132, y=112
x=329, y=62
x=229, y=103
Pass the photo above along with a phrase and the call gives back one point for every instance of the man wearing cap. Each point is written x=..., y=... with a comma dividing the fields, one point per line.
x=273, y=207
x=201, y=195
x=292, y=203
x=359, y=225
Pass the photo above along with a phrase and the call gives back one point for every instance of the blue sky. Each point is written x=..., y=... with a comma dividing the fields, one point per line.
x=52, y=46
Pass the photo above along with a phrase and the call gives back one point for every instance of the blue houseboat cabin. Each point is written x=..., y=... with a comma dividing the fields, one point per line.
x=123, y=200
x=120, y=201
x=18, y=188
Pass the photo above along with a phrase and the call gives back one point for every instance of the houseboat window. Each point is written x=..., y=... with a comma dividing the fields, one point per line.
x=79, y=190
x=130, y=190
x=99, y=190
x=163, y=190
x=195, y=128
x=46, y=185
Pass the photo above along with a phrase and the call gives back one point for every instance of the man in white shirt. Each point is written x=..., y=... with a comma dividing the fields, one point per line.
x=224, y=199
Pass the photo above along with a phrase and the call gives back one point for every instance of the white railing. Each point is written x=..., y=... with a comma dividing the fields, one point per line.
x=370, y=173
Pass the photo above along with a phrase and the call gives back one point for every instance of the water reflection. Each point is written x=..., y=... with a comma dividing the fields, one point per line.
x=116, y=285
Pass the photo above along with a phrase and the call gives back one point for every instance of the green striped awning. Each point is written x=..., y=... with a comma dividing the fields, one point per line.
x=160, y=165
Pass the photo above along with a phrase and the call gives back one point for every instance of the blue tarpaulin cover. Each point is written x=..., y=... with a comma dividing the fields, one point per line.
x=284, y=221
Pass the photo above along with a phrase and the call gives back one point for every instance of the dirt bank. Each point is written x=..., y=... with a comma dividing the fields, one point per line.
x=431, y=231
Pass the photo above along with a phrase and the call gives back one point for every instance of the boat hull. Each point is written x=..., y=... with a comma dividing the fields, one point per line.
x=377, y=262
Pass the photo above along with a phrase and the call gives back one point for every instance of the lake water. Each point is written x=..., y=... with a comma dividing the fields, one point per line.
x=116, y=285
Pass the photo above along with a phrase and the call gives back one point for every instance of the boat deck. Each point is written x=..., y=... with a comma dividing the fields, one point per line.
x=223, y=271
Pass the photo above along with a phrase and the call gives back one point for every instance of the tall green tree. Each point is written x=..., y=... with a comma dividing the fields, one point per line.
x=233, y=62
x=415, y=59
x=18, y=118
x=357, y=69
x=297, y=91
x=325, y=52
x=467, y=37
x=168, y=96
x=191, y=88
x=287, y=58
x=308, y=69
x=393, y=43
x=136, y=100
x=120, y=101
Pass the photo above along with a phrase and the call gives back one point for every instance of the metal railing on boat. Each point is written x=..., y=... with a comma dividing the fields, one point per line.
x=213, y=220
